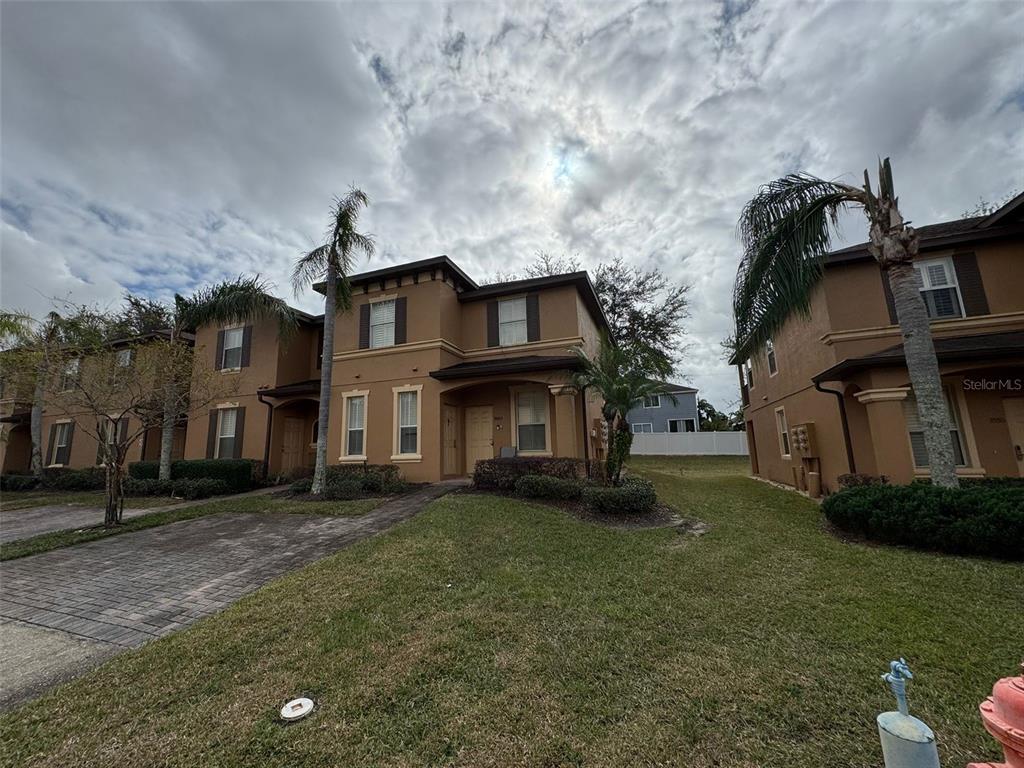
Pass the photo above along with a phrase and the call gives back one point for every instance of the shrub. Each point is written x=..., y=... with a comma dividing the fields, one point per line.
x=199, y=487
x=343, y=489
x=147, y=487
x=395, y=487
x=382, y=473
x=18, y=482
x=858, y=479
x=546, y=487
x=144, y=470
x=64, y=479
x=635, y=496
x=502, y=474
x=972, y=520
x=304, y=485
x=239, y=474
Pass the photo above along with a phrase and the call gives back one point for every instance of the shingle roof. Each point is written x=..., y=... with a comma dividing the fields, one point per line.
x=507, y=365
x=668, y=386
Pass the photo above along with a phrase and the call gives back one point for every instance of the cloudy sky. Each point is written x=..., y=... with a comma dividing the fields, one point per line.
x=153, y=147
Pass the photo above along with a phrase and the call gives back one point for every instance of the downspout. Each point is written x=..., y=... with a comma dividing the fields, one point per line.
x=270, y=424
x=586, y=430
x=846, y=426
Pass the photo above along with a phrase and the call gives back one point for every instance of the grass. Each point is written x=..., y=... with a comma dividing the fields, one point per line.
x=58, y=539
x=489, y=632
x=14, y=500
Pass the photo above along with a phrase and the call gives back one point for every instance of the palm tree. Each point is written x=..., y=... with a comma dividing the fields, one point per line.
x=786, y=232
x=616, y=377
x=244, y=299
x=332, y=261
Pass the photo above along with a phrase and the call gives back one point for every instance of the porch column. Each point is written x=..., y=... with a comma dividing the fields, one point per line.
x=567, y=432
x=889, y=438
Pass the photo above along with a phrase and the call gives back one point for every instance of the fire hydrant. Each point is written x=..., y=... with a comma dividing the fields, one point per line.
x=906, y=741
x=1002, y=714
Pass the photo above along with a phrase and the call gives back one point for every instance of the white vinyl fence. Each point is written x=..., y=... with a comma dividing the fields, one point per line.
x=690, y=444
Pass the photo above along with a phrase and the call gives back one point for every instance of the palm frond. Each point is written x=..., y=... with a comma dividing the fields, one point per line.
x=786, y=230
x=311, y=267
x=343, y=241
x=244, y=299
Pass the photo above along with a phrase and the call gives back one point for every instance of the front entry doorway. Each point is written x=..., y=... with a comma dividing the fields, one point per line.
x=1014, y=407
x=449, y=432
x=293, y=443
x=479, y=435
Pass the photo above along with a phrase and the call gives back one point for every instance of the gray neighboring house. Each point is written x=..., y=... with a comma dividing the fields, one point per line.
x=659, y=414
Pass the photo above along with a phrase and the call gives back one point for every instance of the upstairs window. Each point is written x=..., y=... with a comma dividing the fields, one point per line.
x=748, y=372
x=382, y=324
x=652, y=401
x=937, y=281
x=769, y=351
x=69, y=377
x=916, y=431
x=232, y=355
x=512, y=322
x=124, y=357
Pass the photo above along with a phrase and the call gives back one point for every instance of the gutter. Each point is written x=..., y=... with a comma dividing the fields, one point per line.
x=270, y=424
x=846, y=426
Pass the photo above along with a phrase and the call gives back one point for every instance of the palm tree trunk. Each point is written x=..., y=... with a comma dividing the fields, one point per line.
x=923, y=368
x=326, y=367
x=167, y=431
x=36, y=423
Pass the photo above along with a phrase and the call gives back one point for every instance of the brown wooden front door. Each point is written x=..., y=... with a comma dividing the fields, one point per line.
x=449, y=434
x=479, y=435
x=292, y=443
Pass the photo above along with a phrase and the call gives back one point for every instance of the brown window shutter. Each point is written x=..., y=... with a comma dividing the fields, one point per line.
x=320, y=348
x=246, y=346
x=239, y=432
x=65, y=452
x=364, y=326
x=400, y=320
x=971, y=288
x=890, y=302
x=492, y=324
x=219, y=360
x=211, y=436
x=53, y=440
x=532, y=317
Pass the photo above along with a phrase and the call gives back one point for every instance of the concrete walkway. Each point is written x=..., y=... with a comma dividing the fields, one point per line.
x=69, y=609
x=17, y=524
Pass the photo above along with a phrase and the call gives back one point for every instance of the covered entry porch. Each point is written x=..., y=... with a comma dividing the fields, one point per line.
x=292, y=427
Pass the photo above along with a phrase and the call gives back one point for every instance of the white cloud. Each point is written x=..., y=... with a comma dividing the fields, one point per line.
x=155, y=147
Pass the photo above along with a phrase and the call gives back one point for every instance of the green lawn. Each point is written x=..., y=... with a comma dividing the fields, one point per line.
x=488, y=632
x=12, y=500
x=58, y=539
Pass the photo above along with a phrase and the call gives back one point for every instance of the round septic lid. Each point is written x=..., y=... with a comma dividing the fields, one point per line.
x=296, y=709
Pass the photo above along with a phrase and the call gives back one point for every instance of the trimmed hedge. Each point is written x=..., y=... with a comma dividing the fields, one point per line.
x=147, y=487
x=857, y=479
x=502, y=474
x=238, y=474
x=379, y=473
x=65, y=479
x=18, y=482
x=342, y=490
x=302, y=485
x=979, y=519
x=635, y=496
x=546, y=487
x=185, y=488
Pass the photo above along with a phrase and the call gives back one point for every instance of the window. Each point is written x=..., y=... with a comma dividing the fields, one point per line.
x=62, y=443
x=748, y=371
x=382, y=324
x=512, y=322
x=937, y=280
x=408, y=423
x=641, y=428
x=226, y=426
x=783, y=427
x=124, y=357
x=232, y=356
x=652, y=401
x=355, y=425
x=769, y=351
x=916, y=430
x=316, y=431
x=531, y=420
x=70, y=375
x=682, y=425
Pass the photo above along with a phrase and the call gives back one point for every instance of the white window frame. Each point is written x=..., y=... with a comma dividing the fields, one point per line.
x=748, y=373
x=654, y=400
x=345, y=397
x=514, y=393
x=771, y=357
x=72, y=369
x=956, y=421
x=124, y=357
x=924, y=281
x=782, y=428
x=65, y=427
x=224, y=352
x=396, y=439
x=641, y=430
x=390, y=342
x=220, y=430
x=682, y=421
x=513, y=325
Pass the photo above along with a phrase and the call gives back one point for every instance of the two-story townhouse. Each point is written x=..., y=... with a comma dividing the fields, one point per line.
x=672, y=409
x=430, y=371
x=831, y=393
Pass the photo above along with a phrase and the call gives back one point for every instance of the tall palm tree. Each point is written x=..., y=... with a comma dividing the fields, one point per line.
x=332, y=262
x=786, y=232
x=615, y=376
x=244, y=299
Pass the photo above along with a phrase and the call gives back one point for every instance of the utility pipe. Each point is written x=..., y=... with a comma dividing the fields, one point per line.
x=846, y=426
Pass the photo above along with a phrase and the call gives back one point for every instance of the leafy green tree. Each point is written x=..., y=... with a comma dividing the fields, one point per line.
x=787, y=230
x=712, y=419
x=332, y=262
